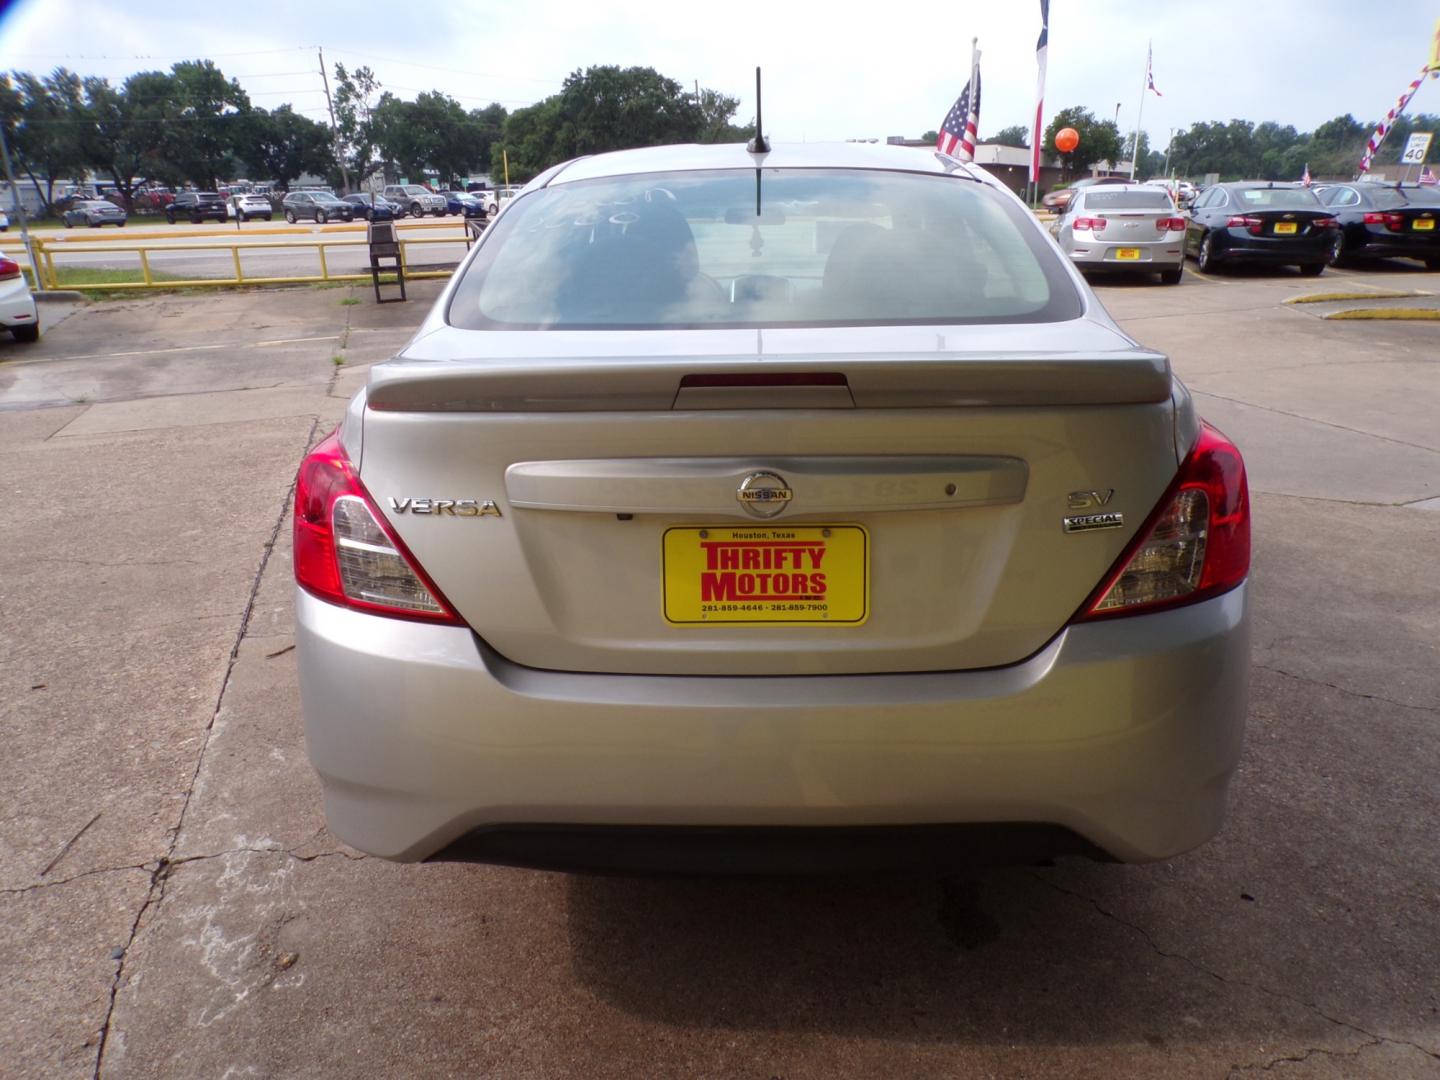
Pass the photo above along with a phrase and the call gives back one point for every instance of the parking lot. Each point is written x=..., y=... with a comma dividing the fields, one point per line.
x=174, y=906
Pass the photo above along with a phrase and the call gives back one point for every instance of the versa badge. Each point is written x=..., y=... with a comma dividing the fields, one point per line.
x=451, y=507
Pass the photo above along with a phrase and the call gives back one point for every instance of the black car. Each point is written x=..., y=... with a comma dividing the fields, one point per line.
x=316, y=206
x=1384, y=220
x=1260, y=222
x=373, y=207
x=197, y=206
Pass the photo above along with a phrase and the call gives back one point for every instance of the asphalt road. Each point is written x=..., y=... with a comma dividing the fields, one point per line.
x=172, y=905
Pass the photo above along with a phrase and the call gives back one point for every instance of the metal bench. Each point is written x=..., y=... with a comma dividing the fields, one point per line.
x=385, y=256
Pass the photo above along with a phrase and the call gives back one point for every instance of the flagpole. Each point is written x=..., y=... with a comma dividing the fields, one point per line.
x=1144, y=85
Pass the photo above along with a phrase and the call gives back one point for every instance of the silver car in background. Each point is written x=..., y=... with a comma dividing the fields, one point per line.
x=779, y=511
x=1132, y=228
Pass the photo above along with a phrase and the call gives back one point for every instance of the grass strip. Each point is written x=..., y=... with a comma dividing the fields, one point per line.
x=1397, y=314
x=1331, y=297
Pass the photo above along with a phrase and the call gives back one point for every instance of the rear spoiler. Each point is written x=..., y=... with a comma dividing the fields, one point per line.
x=1132, y=376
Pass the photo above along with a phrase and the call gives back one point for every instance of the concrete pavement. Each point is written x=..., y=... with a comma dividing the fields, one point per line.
x=173, y=905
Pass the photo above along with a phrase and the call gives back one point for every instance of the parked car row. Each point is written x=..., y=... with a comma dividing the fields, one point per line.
x=308, y=204
x=1137, y=227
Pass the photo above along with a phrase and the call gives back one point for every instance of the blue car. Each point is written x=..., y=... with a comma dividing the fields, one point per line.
x=460, y=202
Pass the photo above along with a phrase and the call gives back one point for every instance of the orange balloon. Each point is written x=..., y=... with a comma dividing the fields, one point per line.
x=1066, y=139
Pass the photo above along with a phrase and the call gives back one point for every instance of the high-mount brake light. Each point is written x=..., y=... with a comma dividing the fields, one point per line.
x=345, y=553
x=1194, y=546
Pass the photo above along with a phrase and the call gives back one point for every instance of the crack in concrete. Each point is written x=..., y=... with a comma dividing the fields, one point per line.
x=164, y=866
x=75, y=877
x=1226, y=980
x=1313, y=420
x=1309, y=1052
x=344, y=337
x=1343, y=690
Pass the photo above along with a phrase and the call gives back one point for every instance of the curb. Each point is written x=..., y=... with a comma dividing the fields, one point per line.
x=1395, y=314
x=56, y=296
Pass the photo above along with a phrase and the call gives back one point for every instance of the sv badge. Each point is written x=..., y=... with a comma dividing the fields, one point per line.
x=1088, y=500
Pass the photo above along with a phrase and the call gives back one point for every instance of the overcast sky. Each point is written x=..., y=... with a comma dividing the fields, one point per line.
x=832, y=71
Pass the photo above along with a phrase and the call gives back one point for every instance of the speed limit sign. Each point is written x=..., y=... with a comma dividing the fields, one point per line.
x=1416, y=148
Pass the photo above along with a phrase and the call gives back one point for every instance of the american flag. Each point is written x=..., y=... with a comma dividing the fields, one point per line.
x=957, y=133
x=1427, y=176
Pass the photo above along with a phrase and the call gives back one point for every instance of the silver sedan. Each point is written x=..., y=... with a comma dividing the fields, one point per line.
x=771, y=511
x=1134, y=228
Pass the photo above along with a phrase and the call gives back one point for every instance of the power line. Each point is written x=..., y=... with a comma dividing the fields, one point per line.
x=437, y=67
x=150, y=56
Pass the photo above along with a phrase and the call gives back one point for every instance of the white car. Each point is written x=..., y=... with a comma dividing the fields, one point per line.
x=247, y=206
x=17, y=307
x=4, y=221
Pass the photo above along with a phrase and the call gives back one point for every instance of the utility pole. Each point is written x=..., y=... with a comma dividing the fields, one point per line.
x=20, y=211
x=1169, y=142
x=334, y=128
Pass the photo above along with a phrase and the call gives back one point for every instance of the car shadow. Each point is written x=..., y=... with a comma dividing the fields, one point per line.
x=1002, y=956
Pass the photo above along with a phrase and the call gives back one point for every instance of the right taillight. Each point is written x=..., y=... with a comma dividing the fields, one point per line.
x=344, y=551
x=1170, y=224
x=1194, y=546
x=9, y=269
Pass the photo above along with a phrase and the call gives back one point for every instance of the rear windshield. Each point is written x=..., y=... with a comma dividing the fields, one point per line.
x=1100, y=199
x=1277, y=199
x=1390, y=199
x=829, y=247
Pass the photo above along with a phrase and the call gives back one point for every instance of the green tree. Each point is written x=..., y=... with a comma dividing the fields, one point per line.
x=113, y=140
x=357, y=93
x=284, y=145
x=1099, y=140
x=531, y=142
x=1014, y=135
x=48, y=122
x=611, y=108
x=202, y=137
x=718, y=113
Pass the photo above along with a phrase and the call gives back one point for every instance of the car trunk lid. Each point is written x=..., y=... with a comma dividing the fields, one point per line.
x=664, y=509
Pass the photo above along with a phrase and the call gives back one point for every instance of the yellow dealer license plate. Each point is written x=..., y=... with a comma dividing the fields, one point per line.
x=1127, y=253
x=1286, y=228
x=812, y=574
x=1424, y=224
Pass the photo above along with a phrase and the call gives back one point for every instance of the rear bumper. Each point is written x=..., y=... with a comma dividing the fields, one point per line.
x=1124, y=732
x=1247, y=248
x=1161, y=255
x=17, y=305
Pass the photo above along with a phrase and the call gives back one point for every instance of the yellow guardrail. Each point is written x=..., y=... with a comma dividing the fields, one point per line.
x=46, y=250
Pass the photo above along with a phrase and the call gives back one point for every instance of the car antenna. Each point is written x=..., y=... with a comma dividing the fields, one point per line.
x=758, y=145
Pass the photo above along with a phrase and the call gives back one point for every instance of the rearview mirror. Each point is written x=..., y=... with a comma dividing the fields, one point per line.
x=736, y=216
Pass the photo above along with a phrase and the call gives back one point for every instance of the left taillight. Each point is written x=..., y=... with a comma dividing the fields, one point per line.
x=9, y=270
x=1194, y=546
x=344, y=551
